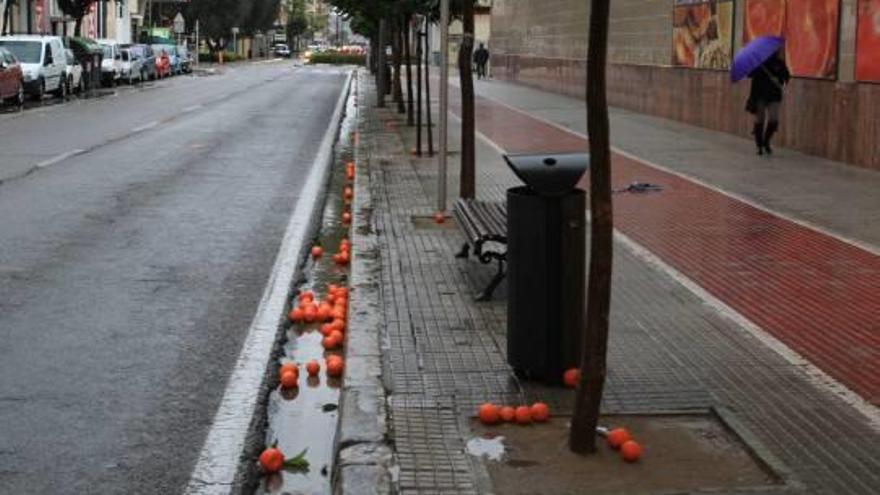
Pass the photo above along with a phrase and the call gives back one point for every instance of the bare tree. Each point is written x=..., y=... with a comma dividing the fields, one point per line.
x=588, y=399
x=467, y=183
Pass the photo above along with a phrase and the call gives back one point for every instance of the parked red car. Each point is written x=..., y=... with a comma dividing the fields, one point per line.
x=11, y=79
x=163, y=64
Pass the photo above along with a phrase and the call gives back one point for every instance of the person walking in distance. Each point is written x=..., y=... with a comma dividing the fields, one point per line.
x=481, y=57
x=768, y=83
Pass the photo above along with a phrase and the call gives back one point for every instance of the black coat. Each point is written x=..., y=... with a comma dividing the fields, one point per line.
x=764, y=89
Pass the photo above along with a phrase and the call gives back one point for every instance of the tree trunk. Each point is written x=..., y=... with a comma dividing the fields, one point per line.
x=381, y=63
x=374, y=53
x=419, y=91
x=77, y=27
x=409, y=84
x=397, y=86
x=467, y=182
x=589, y=392
x=428, y=87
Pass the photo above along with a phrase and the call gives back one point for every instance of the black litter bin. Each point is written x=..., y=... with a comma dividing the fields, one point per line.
x=546, y=265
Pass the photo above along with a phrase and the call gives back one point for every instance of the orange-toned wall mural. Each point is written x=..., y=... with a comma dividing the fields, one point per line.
x=810, y=28
x=868, y=41
x=702, y=33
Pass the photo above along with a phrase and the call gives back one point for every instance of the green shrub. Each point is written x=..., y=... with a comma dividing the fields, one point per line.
x=337, y=58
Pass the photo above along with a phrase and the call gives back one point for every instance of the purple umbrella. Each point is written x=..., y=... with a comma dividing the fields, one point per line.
x=751, y=56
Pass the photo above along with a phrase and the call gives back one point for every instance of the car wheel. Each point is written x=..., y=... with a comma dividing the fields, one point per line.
x=41, y=91
x=19, y=98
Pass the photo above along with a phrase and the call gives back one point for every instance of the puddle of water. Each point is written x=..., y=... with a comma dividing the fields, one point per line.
x=306, y=417
x=491, y=448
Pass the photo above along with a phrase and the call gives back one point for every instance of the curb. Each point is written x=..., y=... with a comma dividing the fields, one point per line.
x=225, y=463
x=363, y=453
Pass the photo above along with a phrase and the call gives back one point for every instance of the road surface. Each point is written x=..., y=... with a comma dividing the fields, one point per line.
x=137, y=233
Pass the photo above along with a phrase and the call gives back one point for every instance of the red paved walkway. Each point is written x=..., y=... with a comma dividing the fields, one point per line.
x=818, y=295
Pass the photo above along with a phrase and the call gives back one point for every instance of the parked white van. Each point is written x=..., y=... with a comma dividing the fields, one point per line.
x=43, y=63
x=111, y=64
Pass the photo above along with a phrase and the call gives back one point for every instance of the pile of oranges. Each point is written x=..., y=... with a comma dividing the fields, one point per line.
x=329, y=317
x=491, y=414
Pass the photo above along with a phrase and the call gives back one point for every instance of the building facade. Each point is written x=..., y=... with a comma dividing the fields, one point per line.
x=107, y=19
x=670, y=58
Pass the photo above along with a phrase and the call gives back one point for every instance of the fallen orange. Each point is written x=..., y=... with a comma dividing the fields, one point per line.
x=540, y=412
x=288, y=379
x=523, y=415
x=335, y=367
x=618, y=437
x=439, y=217
x=488, y=414
x=287, y=367
x=312, y=367
x=271, y=460
x=296, y=315
x=571, y=377
x=317, y=251
x=631, y=451
x=507, y=413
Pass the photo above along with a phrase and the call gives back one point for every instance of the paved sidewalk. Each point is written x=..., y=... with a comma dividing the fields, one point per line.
x=443, y=353
x=815, y=292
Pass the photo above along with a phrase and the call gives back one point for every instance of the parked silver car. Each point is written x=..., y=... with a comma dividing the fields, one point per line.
x=132, y=67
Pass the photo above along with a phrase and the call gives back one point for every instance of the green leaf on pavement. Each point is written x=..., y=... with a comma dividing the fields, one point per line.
x=298, y=463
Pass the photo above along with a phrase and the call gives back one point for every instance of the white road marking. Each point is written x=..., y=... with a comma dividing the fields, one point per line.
x=812, y=373
x=218, y=461
x=59, y=158
x=146, y=126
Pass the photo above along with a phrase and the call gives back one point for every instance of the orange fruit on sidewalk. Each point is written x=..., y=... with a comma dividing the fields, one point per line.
x=288, y=379
x=507, y=414
x=312, y=367
x=335, y=367
x=288, y=366
x=306, y=295
x=317, y=251
x=338, y=324
x=326, y=329
x=324, y=312
x=337, y=337
x=571, y=377
x=271, y=460
x=329, y=343
x=523, y=415
x=311, y=313
x=488, y=414
x=346, y=217
x=439, y=217
x=618, y=437
x=540, y=412
x=296, y=315
x=631, y=451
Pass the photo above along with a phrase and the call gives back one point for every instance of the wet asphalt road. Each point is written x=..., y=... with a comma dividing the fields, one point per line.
x=130, y=272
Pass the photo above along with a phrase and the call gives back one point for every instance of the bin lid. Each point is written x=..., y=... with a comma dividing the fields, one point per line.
x=551, y=174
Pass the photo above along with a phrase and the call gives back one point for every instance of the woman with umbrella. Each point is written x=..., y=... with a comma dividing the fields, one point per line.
x=762, y=61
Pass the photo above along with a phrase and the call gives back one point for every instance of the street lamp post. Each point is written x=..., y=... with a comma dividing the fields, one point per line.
x=444, y=103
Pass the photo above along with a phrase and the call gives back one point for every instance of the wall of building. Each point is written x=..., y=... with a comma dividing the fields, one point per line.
x=546, y=48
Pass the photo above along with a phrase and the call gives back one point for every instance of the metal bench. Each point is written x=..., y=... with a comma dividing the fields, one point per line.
x=484, y=225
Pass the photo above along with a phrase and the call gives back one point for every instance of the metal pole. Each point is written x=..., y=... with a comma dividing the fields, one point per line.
x=444, y=103
x=197, y=43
